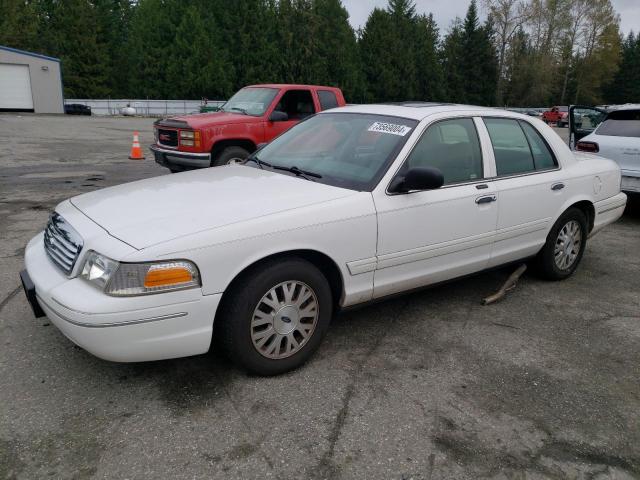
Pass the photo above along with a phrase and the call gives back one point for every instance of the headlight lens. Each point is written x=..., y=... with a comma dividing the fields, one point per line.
x=98, y=269
x=129, y=279
x=186, y=143
x=186, y=134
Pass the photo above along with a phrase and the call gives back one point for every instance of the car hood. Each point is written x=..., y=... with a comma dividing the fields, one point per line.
x=156, y=210
x=199, y=120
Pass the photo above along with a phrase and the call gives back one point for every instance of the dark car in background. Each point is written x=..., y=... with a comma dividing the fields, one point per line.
x=77, y=109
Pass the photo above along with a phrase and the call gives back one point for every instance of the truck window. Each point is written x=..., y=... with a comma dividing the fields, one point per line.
x=327, y=99
x=298, y=104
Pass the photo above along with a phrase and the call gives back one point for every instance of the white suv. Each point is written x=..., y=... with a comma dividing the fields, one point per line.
x=614, y=134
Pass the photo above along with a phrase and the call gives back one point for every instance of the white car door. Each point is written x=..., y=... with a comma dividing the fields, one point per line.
x=529, y=184
x=425, y=237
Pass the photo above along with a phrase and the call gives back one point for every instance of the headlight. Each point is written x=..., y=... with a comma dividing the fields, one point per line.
x=186, y=134
x=128, y=279
x=186, y=143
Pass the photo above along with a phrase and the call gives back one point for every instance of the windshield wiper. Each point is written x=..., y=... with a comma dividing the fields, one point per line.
x=239, y=109
x=297, y=171
x=260, y=163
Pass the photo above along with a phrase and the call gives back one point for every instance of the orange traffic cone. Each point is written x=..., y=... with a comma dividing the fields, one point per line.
x=136, y=151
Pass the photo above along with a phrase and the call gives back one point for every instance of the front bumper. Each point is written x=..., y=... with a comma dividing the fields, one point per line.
x=177, y=160
x=121, y=329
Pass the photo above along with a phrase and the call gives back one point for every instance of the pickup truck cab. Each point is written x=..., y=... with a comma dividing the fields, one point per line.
x=254, y=115
x=557, y=115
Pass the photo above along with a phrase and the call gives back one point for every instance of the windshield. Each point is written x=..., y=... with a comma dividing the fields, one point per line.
x=622, y=123
x=348, y=150
x=251, y=101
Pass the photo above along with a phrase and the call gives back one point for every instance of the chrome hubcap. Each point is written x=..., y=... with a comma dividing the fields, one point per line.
x=284, y=319
x=568, y=245
x=235, y=161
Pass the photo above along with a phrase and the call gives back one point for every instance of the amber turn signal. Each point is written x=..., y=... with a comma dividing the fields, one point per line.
x=165, y=276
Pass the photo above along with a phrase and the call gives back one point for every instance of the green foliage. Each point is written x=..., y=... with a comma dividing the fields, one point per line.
x=625, y=85
x=542, y=51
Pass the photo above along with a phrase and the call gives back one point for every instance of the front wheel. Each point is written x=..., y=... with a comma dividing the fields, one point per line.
x=564, y=247
x=274, y=319
x=230, y=156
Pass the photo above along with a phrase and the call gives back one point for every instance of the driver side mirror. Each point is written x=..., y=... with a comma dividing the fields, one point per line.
x=278, y=116
x=417, y=178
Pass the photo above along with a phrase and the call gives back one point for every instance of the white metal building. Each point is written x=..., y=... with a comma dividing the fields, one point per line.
x=30, y=82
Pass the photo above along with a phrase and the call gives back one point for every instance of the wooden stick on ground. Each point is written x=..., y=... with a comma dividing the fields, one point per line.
x=510, y=284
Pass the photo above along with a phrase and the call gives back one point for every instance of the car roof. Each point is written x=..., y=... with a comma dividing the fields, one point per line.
x=290, y=86
x=421, y=110
x=626, y=106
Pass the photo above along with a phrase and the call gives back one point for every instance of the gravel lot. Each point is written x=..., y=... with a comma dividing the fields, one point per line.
x=545, y=384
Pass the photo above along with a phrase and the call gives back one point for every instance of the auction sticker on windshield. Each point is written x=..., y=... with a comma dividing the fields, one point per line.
x=392, y=128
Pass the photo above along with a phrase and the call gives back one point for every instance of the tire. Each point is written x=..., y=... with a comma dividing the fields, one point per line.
x=175, y=170
x=230, y=155
x=258, y=337
x=555, y=262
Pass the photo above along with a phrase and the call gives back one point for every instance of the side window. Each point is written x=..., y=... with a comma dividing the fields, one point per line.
x=327, y=99
x=298, y=104
x=542, y=156
x=510, y=146
x=452, y=146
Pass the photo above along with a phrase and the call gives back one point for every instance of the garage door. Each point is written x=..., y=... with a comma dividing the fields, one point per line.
x=15, y=87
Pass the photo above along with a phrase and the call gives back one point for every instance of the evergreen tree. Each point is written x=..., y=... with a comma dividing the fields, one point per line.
x=478, y=59
x=451, y=55
x=430, y=85
x=625, y=86
x=18, y=25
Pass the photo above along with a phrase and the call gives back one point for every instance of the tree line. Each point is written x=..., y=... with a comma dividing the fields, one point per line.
x=526, y=52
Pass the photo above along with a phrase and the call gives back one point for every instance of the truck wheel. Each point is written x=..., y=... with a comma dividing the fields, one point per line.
x=230, y=156
x=274, y=319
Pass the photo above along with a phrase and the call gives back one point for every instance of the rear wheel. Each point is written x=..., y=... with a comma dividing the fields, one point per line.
x=564, y=247
x=275, y=317
x=230, y=156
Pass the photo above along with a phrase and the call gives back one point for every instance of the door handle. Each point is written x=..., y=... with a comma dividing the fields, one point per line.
x=486, y=199
x=556, y=187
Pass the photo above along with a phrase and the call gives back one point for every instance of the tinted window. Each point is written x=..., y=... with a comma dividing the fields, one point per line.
x=298, y=104
x=349, y=150
x=451, y=146
x=623, y=123
x=510, y=146
x=327, y=99
x=542, y=155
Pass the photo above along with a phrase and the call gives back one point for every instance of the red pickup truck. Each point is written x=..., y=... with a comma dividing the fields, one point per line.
x=254, y=115
x=557, y=115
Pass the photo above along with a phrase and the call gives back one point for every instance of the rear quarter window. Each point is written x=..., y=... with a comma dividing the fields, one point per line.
x=327, y=99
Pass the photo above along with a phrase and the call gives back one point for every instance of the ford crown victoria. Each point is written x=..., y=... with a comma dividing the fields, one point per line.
x=349, y=206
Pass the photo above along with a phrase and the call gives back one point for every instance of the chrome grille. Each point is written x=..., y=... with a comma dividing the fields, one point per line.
x=168, y=138
x=62, y=243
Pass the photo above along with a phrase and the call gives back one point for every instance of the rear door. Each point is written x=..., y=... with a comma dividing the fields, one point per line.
x=529, y=186
x=583, y=120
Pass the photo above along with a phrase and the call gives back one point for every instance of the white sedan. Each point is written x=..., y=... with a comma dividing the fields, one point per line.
x=352, y=205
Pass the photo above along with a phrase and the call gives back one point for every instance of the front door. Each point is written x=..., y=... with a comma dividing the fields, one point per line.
x=430, y=236
x=583, y=120
x=297, y=104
